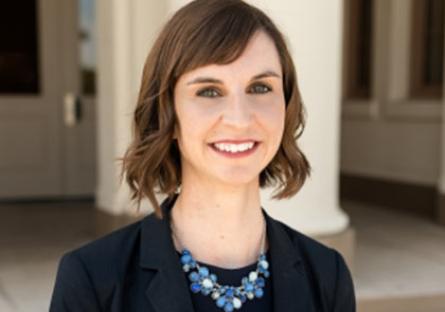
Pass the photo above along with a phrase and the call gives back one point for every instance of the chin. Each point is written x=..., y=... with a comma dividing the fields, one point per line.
x=239, y=179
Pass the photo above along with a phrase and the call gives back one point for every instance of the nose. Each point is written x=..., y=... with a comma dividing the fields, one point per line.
x=237, y=112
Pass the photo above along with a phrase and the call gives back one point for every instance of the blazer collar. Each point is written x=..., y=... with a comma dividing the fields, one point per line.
x=169, y=288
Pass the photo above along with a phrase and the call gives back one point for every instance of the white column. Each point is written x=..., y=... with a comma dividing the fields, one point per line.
x=313, y=30
x=126, y=30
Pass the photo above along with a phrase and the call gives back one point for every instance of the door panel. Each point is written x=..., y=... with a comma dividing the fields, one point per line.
x=30, y=138
x=39, y=155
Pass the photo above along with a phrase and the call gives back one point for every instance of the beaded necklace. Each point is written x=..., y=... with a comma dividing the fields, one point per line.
x=226, y=297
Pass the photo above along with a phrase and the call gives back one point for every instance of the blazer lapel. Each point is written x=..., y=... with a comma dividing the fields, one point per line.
x=168, y=289
x=291, y=291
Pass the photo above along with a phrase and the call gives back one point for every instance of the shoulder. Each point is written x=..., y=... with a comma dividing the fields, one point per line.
x=106, y=257
x=325, y=267
x=108, y=245
x=318, y=255
x=309, y=248
x=88, y=276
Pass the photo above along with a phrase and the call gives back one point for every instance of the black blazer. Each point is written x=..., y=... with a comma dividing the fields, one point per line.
x=137, y=268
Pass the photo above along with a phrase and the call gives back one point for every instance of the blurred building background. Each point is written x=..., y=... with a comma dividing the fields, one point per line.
x=371, y=77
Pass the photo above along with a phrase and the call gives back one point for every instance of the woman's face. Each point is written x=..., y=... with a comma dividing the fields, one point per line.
x=231, y=117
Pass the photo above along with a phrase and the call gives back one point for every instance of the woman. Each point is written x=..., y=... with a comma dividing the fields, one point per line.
x=217, y=118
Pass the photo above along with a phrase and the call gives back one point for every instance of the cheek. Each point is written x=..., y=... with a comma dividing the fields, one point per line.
x=272, y=115
x=194, y=123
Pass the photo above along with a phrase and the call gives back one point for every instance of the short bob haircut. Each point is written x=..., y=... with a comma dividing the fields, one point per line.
x=205, y=32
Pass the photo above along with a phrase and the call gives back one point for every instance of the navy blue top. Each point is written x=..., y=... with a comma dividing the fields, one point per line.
x=202, y=303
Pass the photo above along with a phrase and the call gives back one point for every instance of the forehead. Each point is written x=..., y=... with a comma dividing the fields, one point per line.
x=259, y=55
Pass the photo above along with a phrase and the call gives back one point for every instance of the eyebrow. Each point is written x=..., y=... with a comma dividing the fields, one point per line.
x=267, y=73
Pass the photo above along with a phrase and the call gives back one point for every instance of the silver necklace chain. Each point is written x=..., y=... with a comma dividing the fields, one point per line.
x=263, y=236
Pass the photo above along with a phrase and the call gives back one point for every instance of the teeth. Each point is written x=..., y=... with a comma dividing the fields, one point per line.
x=234, y=148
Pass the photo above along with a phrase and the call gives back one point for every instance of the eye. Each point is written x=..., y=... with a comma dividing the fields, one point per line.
x=208, y=92
x=260, y=88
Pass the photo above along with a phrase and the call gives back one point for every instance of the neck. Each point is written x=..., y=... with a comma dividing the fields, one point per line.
x=220, y=227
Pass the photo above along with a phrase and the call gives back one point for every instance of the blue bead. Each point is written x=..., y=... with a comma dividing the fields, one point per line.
x=194, y=276
x=228, y=307
x=203, y=271
x=264, y=264
x=248, y=287
x=259, y=292
x=229, y=292
x=195, y=287
x=186, y=259
x=213, y=278
x=228, y=295
x=260, y=282
x=220, y=302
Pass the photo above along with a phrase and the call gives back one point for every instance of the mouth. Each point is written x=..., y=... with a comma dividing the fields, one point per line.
x=235, y=150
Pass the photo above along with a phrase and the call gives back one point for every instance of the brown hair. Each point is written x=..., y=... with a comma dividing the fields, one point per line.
x=200, y=33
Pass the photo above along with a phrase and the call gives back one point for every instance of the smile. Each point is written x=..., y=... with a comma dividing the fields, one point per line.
x=235, y=150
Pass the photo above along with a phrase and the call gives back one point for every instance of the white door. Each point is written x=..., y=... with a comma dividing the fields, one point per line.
x=47, y=150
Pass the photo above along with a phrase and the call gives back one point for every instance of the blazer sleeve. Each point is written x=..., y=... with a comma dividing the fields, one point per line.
x=73, y=289
x=344, y=297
